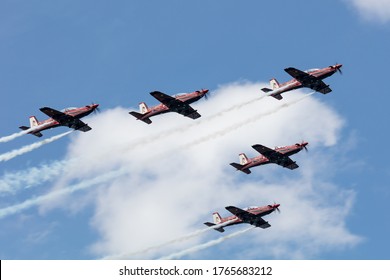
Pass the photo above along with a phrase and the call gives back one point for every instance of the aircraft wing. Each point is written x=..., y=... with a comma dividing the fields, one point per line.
x=308, y=80
x=176, y=105
x=275, y=156
x=248, y=217
x=65, y=119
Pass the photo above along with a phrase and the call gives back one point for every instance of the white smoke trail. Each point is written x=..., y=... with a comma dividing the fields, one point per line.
x=204, y=245
x=16, y=208
x=101, y=179
x=18, y=134
x=10, y=155
x=11, y=183
x=244, y=122
x=176, y=240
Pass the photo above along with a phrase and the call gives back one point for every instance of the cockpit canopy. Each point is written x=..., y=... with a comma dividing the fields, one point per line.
x=68, y=109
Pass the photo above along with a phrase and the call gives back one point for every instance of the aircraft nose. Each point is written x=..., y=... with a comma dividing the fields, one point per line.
x=276, y=205
x=205, y=91
x=338, y=66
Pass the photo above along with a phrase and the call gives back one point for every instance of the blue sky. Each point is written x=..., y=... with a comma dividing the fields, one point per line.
x=72, y=53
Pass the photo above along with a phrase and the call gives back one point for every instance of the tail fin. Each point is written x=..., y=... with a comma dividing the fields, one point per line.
x=274, y=84
x=143, y=108
x=243, y=159
x=217, y=218
x=33, y=121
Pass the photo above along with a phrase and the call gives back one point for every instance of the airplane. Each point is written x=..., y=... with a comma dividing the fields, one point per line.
x=279, y=155
x=67, y=117
x=310, y=78
x=251, y=215
x=179, y=104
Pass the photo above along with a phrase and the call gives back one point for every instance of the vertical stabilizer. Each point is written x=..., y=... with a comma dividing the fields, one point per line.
x=33, y=121
x=274, y=84
x=217, y=218
x=243, y=159
x=143, y=108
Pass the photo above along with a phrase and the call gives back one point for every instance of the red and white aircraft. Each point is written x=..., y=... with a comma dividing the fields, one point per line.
x=280, y=156
x=67, y=117
x=311, y=78
x=251, y=215
x=179, y=104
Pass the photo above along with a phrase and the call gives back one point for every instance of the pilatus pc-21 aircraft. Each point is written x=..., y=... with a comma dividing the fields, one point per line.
x=251, y=215
x=69, y=117
x=311, y=79
x=179, y=104
x=280, y=156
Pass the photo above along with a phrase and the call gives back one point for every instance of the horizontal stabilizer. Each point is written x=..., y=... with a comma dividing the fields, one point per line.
x=266, y=89
x=141, y=117
x=277, y=96
x=239, y=167
x=37, y=134
x=220, y=229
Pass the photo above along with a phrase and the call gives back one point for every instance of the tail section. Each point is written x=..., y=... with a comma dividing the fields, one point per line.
x=240, y=166
x=274, y=84
x=143, y=108
x=216, y=220
x=33, y=121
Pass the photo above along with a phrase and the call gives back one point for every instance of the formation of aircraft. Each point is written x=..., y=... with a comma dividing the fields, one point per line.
x=69, y=117
x=311, y=78
x=279, y=155
x=251, y=215
x=179, y=104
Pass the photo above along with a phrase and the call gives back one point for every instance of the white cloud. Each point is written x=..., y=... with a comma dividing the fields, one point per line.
x=178, y=173
x=376, y=10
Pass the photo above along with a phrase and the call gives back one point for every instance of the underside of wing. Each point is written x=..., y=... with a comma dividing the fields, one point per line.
x=176, y=105
x=164, y=98
x=275, y=156
x=82, y=127
x=66, y=120
x=308, y=80
x=53, y=113
x=247, y=217
x=267, y=152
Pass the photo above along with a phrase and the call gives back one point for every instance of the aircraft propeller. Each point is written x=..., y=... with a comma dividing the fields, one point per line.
x=276, y=207
x=97, y=109
x=206, y=95
x=337, y=69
